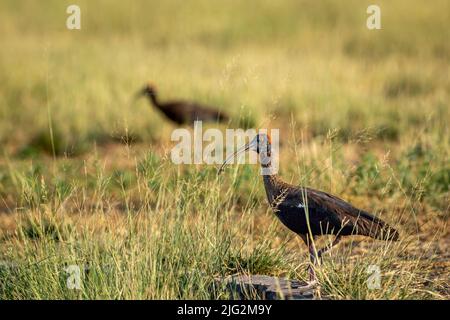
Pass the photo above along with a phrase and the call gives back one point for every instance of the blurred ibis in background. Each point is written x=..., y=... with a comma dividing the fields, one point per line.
x=182, y=112
x=311, y=213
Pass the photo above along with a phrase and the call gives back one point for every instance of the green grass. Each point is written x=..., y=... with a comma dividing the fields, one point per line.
x=85, y=171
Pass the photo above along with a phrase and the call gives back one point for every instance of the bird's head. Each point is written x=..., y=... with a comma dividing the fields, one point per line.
x=148, y=90
x=260, y=144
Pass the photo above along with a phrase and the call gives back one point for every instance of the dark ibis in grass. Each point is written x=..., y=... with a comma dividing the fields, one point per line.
x=182, y=112
x=311, y=213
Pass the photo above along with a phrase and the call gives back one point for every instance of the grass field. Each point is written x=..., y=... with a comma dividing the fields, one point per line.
x=85, y=172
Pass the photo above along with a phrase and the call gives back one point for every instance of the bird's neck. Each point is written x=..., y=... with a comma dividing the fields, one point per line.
x=275, y=189
x=273, y=184
x=269, y=183
x=153, y=98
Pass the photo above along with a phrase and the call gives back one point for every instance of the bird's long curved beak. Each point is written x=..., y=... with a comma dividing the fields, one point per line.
x=238, y=152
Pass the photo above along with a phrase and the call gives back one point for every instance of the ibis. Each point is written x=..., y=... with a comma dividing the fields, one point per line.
x=311, y=213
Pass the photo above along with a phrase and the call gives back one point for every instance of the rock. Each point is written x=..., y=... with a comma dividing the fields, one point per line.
x=245, y=287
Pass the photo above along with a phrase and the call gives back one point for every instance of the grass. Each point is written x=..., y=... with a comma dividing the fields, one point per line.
x=85, y=172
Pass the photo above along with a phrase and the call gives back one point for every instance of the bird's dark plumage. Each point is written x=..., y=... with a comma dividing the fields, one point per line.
x=327, y=214
x=183, y=112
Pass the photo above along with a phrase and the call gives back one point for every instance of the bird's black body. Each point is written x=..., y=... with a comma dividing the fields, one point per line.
x=183, y=112
x=307, y=211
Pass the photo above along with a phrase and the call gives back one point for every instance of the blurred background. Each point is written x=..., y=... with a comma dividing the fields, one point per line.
x=261, y=60
x=363, y=114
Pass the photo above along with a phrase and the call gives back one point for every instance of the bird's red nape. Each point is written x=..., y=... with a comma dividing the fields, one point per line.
x=269, y=138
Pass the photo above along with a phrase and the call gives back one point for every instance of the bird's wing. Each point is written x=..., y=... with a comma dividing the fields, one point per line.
x=209, y=112
x=361, y=221
x=337, y=205
x=326, y=211
x=194, y=111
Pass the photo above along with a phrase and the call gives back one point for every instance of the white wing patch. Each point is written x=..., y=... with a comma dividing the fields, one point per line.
x=300, y=205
